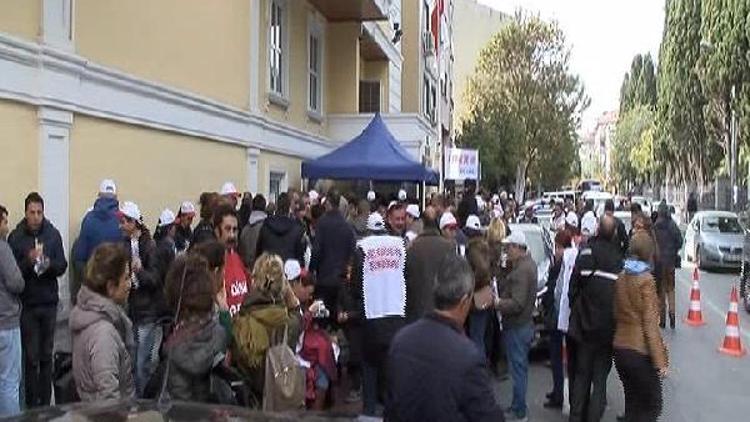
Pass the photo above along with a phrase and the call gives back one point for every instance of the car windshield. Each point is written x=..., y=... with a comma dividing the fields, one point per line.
x=535, y=245
x=721, y=225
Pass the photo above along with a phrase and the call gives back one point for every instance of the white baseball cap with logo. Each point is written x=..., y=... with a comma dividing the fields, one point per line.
x=228, y=188
x=448, y=220
x=130, y=209
x=187, y=208
x=292, y=269
x=108, y=187
x=375, y=222
x=413, y=210
x=472, y=222
x=166, y=218
x=516, y=237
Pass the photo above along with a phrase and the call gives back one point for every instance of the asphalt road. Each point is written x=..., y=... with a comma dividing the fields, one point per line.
x=703, y=384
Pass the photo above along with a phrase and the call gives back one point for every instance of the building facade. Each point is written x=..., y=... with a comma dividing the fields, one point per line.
x=474, y=25
x=173, y=97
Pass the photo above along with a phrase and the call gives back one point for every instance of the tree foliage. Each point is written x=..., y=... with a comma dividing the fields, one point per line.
x=524, y=106
x=682, y=149
x=639, y=85
x=633, y=152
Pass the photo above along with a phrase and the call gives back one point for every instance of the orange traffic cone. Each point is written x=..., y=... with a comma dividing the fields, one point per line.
x=732, y=345
x=695, y=315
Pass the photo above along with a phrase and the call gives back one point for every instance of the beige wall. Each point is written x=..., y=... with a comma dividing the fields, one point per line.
x=195, y=45
x=19, y=162
x=297, y=62
x=377, y=71
x=155, y=169
x=473, y=27
x=343, y=67
x=268, y=162
x=21, y=18
x=411, y=76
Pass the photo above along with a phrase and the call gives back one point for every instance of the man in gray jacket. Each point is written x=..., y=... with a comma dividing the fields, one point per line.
x=516, y=304
x=11, y=287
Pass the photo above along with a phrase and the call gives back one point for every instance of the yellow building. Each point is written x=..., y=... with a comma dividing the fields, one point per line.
x=174, y=97
x=473, y=27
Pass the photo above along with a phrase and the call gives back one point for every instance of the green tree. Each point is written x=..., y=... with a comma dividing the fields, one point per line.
x=723, y=66
x=633, y=152
x=525, y=106
x=639, y=84
x=681, y=148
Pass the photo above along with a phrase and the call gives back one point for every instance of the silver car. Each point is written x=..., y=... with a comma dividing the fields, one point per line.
x=540, y=247
x=714, y=239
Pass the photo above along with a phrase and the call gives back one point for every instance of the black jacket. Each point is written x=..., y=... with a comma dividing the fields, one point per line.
x=435, y=373
x=622, y=236
x=467, y=207
x=203, y=232
x=182, y=238
x=668, y=240
x=591, y=292
x=332, y=248
x=146, y=302
x=163, y=257
x=40, y=289
x=283, y=236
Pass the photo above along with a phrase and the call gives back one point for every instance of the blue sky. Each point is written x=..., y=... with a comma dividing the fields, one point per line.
x=604, y=36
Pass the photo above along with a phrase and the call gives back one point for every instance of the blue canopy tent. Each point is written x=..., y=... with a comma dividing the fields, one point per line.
x=373, y=155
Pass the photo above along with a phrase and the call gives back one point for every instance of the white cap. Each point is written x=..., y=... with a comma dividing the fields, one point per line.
x=313, y=196
x=447, y=219
x=108, y=187
x=375, y=222
x=292, y=269
x=413, y=210
x=472, y=222
x=167, y=217
x=228, y=188
x=187, y=208
x=130, y=210
x=392, y=204
x=516, y=237
x=571, y=219
x=402, y=195
x=371, y=196
x=589, y=225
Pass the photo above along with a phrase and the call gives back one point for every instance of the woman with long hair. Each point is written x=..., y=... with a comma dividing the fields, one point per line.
x=261, y=318
x=198, y=341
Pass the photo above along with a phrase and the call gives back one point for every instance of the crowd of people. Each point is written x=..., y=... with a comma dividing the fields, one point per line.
x=410, y=308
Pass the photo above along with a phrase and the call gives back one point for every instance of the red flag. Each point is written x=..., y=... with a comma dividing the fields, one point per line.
x=437, y=13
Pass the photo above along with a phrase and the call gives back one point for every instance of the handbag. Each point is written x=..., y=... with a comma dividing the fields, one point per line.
x=284, y=381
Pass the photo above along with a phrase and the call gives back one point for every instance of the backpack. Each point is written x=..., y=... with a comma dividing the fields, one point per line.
x=284, y=381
